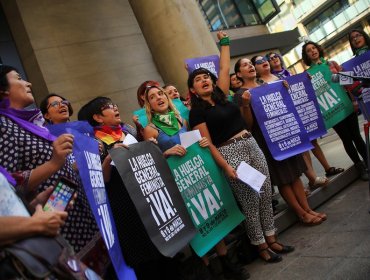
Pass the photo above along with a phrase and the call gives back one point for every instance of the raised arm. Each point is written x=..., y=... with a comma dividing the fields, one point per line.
x=223, y=81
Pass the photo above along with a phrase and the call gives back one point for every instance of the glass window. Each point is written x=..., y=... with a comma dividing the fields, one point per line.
x=266, y=9
x=237, y=13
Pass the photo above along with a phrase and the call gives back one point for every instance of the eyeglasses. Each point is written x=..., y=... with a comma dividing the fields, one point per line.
x=55, y=103
x=273, y=56
x=260, y=61
x=110, y=106
x=356, y=37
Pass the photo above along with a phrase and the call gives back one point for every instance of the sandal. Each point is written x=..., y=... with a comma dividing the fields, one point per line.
x=284, y=248
x=273, y=257
x=319, y=182
x=314, y=221
x=333, y=171
x=323, y=216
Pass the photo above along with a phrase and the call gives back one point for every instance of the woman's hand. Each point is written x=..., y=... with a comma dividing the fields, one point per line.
x=204, y=142
x=49, y=223
x=285, y=84
x=62, y=147
x=152, y=139
x=221, y=34
x=246, y=98
x=230, y=172
x=176, y=150
x=41, y=198
x=135, y=119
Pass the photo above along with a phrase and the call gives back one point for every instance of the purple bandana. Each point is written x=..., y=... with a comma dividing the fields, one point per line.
x=31, y=120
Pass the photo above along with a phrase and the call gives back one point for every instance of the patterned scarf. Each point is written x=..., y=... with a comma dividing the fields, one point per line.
x=108, y=134
x=166, y=122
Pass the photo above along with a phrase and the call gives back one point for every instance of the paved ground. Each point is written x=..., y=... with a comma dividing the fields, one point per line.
x=337, y=249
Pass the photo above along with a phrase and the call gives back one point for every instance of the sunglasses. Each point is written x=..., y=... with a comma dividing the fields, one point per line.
x=110, y=106
x=260, y=61
x=273, y=56
x=55, y=104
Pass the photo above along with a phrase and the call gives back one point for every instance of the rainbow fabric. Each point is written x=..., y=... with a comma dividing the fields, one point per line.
x=108, y=134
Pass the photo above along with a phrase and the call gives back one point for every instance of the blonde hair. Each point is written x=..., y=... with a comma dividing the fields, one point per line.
x=148, y=109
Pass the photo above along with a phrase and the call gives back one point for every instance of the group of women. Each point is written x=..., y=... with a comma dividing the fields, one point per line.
x=229, y=130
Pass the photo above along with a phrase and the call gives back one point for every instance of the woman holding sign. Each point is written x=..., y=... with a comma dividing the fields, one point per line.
x=137, y=248
x=230, y=144
x=335, y=105
x=285, y=173
x=166, y=125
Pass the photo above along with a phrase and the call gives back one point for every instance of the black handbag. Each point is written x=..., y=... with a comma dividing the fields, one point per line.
x=42, y=258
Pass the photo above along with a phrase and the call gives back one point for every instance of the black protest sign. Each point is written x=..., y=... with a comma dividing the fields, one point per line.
x=154, y=192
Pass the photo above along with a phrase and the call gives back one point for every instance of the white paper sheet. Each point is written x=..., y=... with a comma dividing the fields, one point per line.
x=251, y=176
x=189, y=138
x=129, y=139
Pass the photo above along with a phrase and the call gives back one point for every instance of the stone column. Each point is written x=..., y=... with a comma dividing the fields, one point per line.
x=174, y=30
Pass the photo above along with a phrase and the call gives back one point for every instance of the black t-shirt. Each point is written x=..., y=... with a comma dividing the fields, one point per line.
x=223, y=121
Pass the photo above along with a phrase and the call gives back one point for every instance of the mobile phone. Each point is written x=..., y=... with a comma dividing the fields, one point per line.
x=61, y=195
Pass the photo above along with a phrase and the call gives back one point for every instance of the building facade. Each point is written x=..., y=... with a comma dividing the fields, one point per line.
x=322, y=21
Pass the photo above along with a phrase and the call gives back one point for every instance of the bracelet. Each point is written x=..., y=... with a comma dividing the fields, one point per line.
x=225, y=41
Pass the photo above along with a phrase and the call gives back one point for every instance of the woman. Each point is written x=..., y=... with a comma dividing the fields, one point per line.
x=27, y=145
x=138, y=250
x=277, y=68
x=347, y=129
x=277, y=65
x=171, y=90
x=230, y=143
x=286, y=173
x=262, y=66
x=235, y=84
x=56, y=109
x=359, y=41
x=158, y=104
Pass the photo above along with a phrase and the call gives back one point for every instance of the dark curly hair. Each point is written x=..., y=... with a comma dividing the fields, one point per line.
x=217, y=95
x=305, y=57
x=367, y=39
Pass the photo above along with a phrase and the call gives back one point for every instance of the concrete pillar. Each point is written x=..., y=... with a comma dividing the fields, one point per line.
x=174, y=30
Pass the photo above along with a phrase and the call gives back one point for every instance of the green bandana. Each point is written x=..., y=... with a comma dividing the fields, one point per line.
x=361, y=50
x=166, y=122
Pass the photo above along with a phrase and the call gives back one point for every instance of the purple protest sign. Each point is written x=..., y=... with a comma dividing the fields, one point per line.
x=304, y=99
x=212, y=63
x=86, y=154
x=279, y=121
x=360, y=66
